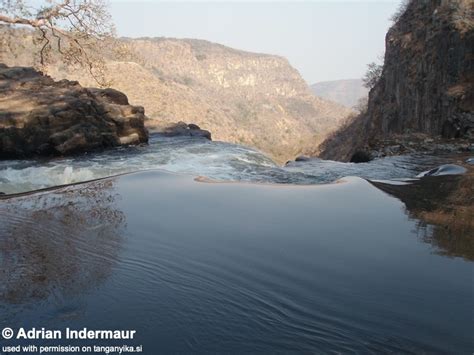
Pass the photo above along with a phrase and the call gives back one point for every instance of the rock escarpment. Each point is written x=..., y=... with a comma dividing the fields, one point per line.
x=40, y=116
x=426, y=86
x=428, y=76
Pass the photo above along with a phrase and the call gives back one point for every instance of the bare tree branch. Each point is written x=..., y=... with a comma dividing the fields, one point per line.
x=73, y=29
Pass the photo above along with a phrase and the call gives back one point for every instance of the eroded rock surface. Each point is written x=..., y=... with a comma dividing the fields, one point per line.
x=40, y=116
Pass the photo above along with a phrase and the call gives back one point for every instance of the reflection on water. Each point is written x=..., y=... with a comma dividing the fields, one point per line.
x=58, y=244
x=443, y=207
x=236, y=268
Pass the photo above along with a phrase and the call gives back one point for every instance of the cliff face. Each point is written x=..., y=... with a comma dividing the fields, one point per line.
x=253, y=99
x=427, y=81
x=426, y=86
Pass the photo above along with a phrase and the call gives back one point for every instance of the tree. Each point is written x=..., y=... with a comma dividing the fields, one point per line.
x=361, y=105
x=374, y=71
x=402, y=8
x=75, y=30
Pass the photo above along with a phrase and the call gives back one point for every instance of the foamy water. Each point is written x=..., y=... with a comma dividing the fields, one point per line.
x=198, y=157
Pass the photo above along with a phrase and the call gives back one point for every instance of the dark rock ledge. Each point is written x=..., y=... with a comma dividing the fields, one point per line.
x=40, y=116
x=180, y=129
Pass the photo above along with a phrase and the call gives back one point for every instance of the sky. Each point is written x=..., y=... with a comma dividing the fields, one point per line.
x=323, y=40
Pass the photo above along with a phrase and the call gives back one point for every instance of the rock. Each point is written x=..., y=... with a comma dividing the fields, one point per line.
x=302, y=158
x=422, y=88
x=201, y=133
x=133, y=138
x=111, y=96
x=426, y=86
x=193, y=126
x=183, y=129
x=40, y=116
x=470, y=161
x=447, y=169
x=361, y=157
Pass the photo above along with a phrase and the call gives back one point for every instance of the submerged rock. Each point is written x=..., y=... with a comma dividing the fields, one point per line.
x=40, y=116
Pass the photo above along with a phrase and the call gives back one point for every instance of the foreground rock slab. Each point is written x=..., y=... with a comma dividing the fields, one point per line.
x=40, y=116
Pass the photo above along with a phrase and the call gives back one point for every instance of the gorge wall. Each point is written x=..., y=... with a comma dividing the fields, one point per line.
x=253, y=99
x=427, y=81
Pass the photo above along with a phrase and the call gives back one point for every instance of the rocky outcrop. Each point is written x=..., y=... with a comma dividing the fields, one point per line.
x=40, y=116
x=427, y=83
x=181, y=129
x=428, y=76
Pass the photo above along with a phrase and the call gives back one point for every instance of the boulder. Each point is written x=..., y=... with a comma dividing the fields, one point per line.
x=40, y=116
x=183, y=129
x=302, y=158
x=361, y=156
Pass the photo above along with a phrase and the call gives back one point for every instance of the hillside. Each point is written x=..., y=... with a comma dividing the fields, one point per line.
x=426, y=86
x=253, y=99
x=345, y=92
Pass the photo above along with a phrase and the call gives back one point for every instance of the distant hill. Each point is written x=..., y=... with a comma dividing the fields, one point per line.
x=345, y=92
x=254, y=99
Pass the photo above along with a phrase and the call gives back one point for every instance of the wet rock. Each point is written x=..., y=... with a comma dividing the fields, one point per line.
x=40, y=116
x=361, y=157
x=470, y=161
x=302, y=158
x=133, y=138
x=183, y=129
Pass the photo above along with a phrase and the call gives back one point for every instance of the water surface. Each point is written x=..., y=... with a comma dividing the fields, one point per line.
x=192, y=156
x=228, y=267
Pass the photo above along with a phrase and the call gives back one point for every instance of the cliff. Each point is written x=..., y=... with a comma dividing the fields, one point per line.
x=426, y=86
x=248, y=98
x=40, y=116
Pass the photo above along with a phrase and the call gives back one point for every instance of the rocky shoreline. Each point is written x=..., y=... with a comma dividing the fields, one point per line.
x=420, y=143
x=417, y=143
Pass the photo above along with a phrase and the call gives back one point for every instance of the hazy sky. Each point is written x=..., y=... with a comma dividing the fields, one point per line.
x=324, y=40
